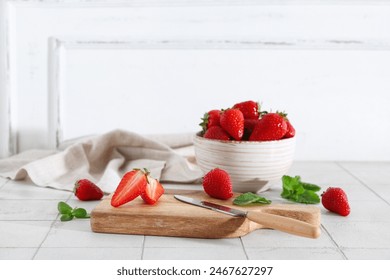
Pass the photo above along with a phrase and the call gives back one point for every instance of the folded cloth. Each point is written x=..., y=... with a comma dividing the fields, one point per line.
x=104, y=159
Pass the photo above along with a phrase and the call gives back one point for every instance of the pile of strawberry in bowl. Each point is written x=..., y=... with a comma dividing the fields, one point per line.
x=255, y=147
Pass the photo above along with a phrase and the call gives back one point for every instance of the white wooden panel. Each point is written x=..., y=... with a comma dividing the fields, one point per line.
x=4, y=96
x=298, y=56
x=167, y=90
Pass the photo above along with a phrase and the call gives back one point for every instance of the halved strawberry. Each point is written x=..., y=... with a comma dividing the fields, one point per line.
x=153, y=191
x=133, y=184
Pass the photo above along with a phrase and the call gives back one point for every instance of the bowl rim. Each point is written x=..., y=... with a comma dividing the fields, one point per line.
x=198, y=136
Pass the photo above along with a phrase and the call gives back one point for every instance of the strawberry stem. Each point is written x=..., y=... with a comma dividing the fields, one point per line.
x=146, y=172
x=204, y=122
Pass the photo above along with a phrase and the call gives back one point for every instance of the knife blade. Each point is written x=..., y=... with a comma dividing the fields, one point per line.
x=282, y=223
x=211, y=206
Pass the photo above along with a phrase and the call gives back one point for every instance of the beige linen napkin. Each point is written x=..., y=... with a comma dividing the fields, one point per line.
x=104, y=159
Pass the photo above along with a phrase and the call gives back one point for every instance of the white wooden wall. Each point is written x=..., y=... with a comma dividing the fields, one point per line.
x=77, y=67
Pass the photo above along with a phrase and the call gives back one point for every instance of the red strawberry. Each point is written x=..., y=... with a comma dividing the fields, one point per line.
x=232, y=121
x=153, y=191
x=290, y=130
x=216, y=132
x=210, y=119
x=217, y=184
x=250, y=109
x=132, y=185
x=271, y=126
x=249, y=125
x=84, y=189
x=335, y=200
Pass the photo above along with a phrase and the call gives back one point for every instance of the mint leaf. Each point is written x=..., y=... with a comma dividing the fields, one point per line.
x=80, y=213
x=286, y=193
x=289, y=183
x=297, y=191
x=262, y=200
x=245, y=199
x=68, y=213
x=311, y=187
x=309, y=197
x=64, y=208
x=250, y=199
x=66, y=217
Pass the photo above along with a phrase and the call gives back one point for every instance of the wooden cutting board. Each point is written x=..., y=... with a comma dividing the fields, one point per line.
x=170, y=217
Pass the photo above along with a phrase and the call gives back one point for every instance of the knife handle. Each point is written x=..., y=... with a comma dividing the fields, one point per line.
x=285, y=224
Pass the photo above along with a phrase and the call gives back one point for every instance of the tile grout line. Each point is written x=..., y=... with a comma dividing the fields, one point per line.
x=334, y=242
x=43, y=240
x=362, y=182
x=47, y=234
x=243, y=247
x=5, y=183
x=143, y=247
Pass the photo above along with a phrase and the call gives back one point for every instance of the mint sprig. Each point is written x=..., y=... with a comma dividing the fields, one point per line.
x=296, y=190
x=250, y=199
x=68, y=213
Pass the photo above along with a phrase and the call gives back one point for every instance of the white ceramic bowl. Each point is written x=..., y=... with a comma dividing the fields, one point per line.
x=253, y=166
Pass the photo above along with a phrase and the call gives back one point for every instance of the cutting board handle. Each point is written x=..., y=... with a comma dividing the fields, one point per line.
x=285, y=224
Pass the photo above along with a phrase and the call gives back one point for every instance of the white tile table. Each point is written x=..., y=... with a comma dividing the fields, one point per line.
x=30, y=226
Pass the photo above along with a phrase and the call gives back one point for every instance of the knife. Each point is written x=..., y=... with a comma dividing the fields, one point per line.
x=277, y=222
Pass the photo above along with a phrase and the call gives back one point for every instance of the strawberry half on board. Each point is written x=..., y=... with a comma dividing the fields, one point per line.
x=132, y=185
x=86, y=190
x=153, y=191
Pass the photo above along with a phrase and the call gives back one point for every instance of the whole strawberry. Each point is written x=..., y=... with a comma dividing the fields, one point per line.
x=250, y=109
x=84, y=189
x=249, y=125
x=232, y=121
x=271, y=126
x=290, y=130
x=217, y=133
x=217, y=184
x=335, y=200
x=210, y=119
